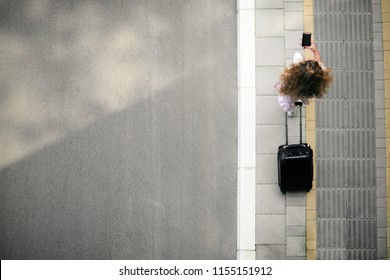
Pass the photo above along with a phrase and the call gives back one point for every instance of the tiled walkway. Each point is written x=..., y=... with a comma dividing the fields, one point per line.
x=344, y=216
x=346, y=133
x=280, y=219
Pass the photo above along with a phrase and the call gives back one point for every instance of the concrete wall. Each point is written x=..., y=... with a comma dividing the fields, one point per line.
x=118, y=123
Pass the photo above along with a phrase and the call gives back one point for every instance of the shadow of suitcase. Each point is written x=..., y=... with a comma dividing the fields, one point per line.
x=295, y=163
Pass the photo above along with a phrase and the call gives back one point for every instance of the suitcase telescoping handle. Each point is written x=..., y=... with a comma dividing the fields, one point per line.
x=299, y=104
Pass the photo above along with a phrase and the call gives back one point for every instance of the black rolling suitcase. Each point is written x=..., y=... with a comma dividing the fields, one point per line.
x=295, y=163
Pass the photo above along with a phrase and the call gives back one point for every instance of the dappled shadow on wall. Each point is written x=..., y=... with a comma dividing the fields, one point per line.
x=65, y=64
x=116, y=123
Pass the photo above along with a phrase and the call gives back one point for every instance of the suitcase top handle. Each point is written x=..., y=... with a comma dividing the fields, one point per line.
x=299, y=104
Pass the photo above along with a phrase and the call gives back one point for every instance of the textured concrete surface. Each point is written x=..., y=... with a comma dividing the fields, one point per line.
x=381, y=28
x=347, y=214
x=118, y=129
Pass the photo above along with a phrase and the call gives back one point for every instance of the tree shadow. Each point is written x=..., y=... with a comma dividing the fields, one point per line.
x=135, y=170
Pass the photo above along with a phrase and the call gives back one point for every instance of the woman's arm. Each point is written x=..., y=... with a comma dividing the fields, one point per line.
x=316, y=52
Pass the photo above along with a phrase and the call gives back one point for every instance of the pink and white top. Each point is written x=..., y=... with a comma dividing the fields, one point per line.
x=287, y=104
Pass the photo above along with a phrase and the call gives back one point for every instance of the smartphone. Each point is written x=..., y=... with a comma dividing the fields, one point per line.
x=306, y=39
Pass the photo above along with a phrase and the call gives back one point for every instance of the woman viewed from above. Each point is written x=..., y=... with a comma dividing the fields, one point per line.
x=302, y=80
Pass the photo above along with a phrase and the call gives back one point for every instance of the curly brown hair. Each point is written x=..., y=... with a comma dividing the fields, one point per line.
x=305, y=79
